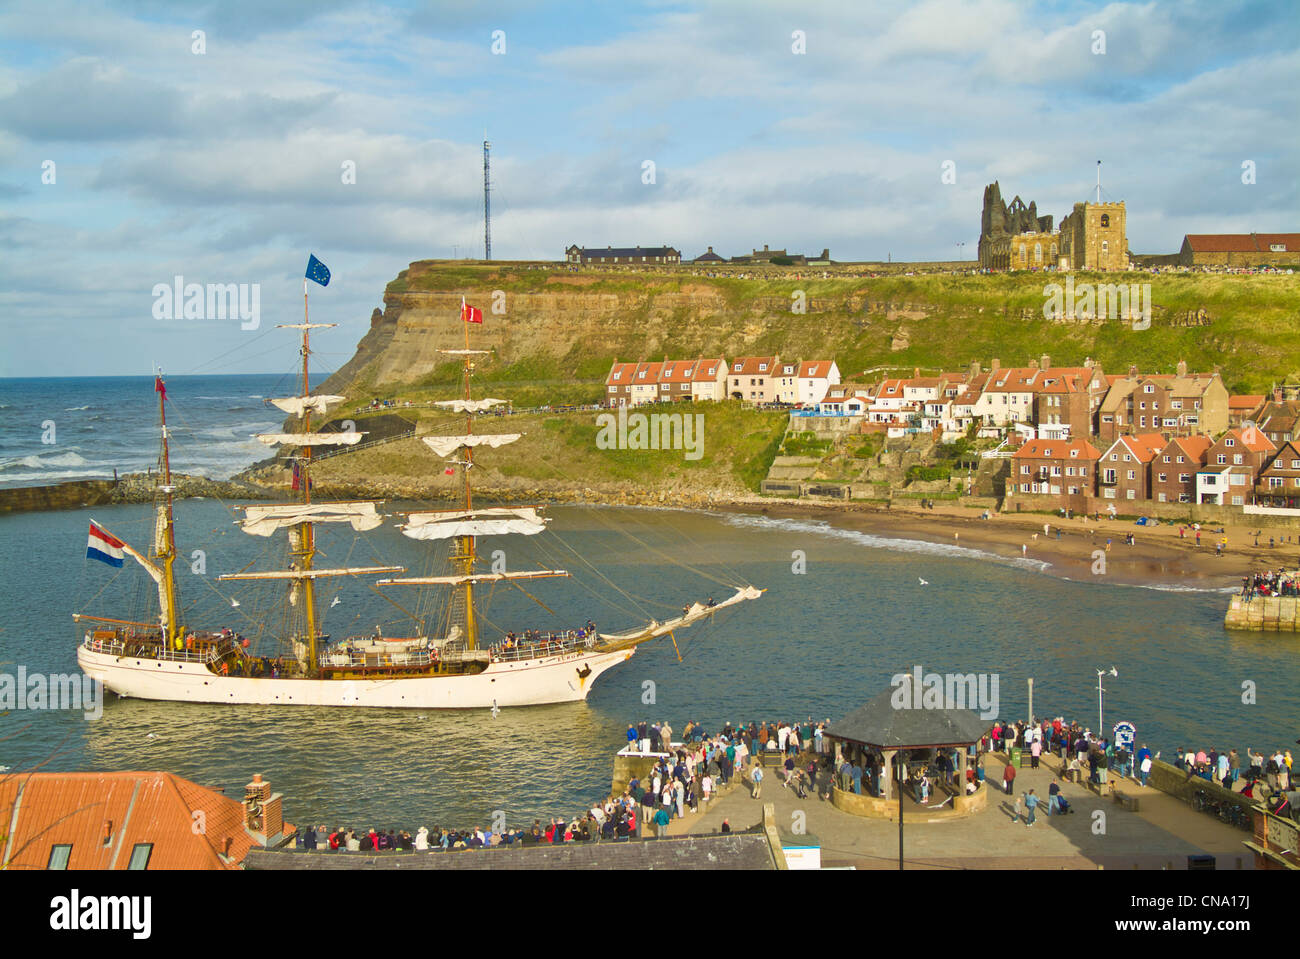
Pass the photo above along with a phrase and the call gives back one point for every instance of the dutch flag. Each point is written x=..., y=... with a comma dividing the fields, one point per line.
x=104, y=546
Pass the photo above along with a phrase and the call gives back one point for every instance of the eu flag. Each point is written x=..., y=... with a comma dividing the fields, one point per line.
x=317, y=271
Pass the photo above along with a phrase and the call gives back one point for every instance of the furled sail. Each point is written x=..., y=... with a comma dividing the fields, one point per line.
x=466, y=352
x=296, y=574
x=496, y=521
x=311, y=439
x=469, y=406
x=476, y=578
x=692, y=615
x=319, y=403
x=446, y=445
x=265, y=520
x=304, y=326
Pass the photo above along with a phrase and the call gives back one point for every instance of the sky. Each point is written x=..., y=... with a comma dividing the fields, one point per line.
x=224, y=142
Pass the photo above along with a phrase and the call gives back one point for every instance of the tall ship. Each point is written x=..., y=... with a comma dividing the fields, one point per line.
x=449, y=663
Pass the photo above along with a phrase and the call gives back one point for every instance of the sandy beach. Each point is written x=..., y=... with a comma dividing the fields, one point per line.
x=1159, y=555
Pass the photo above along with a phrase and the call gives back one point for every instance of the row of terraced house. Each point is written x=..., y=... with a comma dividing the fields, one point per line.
x=1254, y=462
x=760, y=380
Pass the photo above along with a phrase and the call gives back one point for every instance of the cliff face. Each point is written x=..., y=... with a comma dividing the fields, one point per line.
x=544, y=323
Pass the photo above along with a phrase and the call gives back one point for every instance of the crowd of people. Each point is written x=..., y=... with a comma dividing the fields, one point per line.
x=1270, y=583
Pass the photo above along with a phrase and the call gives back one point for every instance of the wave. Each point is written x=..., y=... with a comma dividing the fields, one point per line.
x=77, y=409
x=1167, y=587
x=45, y=460
x=823, y=528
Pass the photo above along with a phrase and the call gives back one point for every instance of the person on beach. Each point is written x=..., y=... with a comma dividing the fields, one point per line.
x=1031, y=804
x=1009, y=779
x=756, y=777
x=1015, y=810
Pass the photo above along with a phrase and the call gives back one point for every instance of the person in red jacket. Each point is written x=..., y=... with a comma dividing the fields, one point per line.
x=1009, y=778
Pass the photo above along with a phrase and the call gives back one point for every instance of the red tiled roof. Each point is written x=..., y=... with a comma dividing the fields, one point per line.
x=1057, y=449
x=1245, y=402
x=810, y=368
x=80, y=809
x=748, y=365
x=703, y=365
x=1193, y=447
x=620, y=374
x=677, y=371
x=1258, y=442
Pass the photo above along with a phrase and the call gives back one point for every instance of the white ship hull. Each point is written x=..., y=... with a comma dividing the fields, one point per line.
x=530, y=682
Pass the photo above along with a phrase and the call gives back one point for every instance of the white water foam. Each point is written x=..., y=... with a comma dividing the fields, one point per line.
x=823, y=528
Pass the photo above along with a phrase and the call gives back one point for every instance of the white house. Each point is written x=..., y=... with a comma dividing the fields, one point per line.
x=816, y=377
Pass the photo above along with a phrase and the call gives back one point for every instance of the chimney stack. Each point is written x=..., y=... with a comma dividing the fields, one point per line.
x=1133, y=372
x=996, y=365
x=1277, y=394
x=1182, y=367
x=1045, y=362
x=1033, y=364
x=974, y=368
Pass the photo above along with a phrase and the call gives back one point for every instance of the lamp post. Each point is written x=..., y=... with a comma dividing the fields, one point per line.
x=1100, y=673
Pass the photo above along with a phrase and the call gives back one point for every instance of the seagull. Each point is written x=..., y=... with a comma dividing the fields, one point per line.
x=924, y=582
x=334, y=603
x=496, y=710
x=234, y=602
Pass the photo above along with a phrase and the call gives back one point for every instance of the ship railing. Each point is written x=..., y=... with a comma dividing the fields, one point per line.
x=113, y=648
x=336, y=658
x=541, y=648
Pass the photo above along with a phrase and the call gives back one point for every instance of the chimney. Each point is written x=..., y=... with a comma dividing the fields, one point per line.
x=916, y=372
x=996, y=365
x=1133, y=372
x=974, y=368
x=1087, y=363
x=764, y=247
x=1277, y=394
x=256, y=795
x=1033, y=364
x=1045, y=362
x=1182, y=367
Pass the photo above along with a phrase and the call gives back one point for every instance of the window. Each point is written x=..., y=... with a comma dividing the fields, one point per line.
x=1105, y=247
x=1236, y=459
x=140, y=853
x=1181, y=460
x=1164, y=477
x=1038, y=253
x=1131, y=494
x=1274, y=482
x=1109, y=493
x=1295, y=464
x=1237, y=501
x=1132, y=474
x=1229, y=442
x=59, y=856
x=613, y=389
x=1148, y=389
x=1222, y=459
x=1105, y=219
x=1166, y=459
x=1184, y=478
x=1160, y=498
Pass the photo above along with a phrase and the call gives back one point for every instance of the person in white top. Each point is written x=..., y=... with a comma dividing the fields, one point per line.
x=706, y=786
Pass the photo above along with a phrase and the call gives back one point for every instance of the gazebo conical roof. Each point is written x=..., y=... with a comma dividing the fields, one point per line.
x=885, y=726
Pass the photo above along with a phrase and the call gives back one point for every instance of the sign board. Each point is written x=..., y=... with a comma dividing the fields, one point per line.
x=1125, y=735
x=803, y=857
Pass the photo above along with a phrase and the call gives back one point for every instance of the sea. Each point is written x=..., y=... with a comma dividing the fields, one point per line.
x=843, y=613
x=54, y=429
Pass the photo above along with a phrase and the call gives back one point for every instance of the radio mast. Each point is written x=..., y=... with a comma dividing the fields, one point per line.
x=487, y=202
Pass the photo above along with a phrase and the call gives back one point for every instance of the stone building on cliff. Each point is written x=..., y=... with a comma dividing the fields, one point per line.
x=1014, y=237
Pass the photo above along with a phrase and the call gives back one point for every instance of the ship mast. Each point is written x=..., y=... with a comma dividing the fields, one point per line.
x=164, y=536
x=306, y=532
x=299, y=518
x=467, y=544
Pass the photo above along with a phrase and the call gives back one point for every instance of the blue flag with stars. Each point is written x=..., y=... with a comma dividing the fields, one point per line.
x=318, y=271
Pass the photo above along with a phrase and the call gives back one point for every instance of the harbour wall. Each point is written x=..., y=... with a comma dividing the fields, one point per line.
x=1269, y=614
x=71, y=495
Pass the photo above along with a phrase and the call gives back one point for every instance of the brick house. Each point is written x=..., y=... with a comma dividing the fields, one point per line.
x=1054, y=472
x=1244, y=447
x=626, y=256
x=1218, y=485
x=1123, y=471
x=675, y=378
x=1278, y=418
x=1183, y=403
x=1279, y=481
x=645, y=383
x=1173, y=471
x=618, y=384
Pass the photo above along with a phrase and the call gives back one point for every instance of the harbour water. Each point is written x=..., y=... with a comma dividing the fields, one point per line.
x=819, y=643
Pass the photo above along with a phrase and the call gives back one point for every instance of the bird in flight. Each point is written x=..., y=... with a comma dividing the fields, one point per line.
x=924, y=582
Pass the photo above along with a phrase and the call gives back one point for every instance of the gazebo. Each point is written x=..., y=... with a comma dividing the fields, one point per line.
x=893, y=724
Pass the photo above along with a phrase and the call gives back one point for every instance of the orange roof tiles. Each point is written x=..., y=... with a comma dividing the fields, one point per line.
x=1057, y=449
x=749, y=365
x=82, y=809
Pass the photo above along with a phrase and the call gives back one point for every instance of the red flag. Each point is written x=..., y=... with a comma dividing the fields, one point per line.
x=158, y=386
x=470, y=314
x=450, y=471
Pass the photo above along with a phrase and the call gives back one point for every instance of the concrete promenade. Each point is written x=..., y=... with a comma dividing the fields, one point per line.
x=1160, y=835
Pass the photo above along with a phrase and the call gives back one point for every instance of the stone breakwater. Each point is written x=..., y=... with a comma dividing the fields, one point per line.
x=131, y=488
x=1272, y=614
